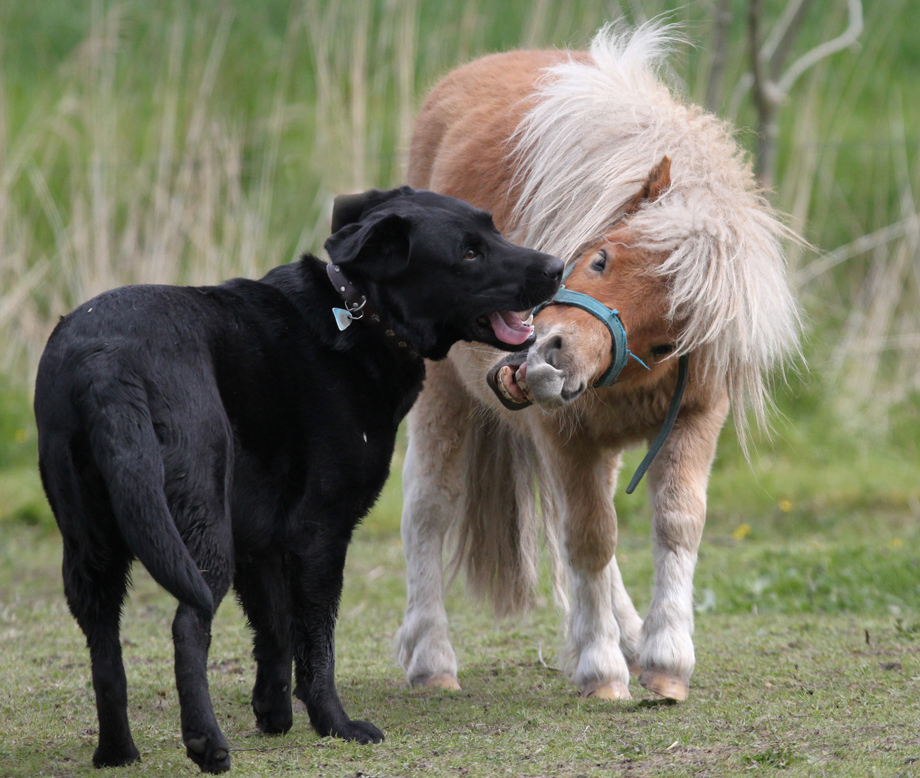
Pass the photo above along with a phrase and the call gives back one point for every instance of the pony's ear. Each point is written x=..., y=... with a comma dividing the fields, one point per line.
x=659, y=179
x=377, y=247
x=348, y=209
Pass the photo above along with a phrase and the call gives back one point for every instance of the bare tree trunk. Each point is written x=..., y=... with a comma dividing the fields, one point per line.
x=723, y=19
x=764, y=103
x=770, y=85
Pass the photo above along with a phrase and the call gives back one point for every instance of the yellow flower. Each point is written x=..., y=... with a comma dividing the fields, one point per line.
x=895, y=543
x=741, y=531
x=21, y=436
x=785, y=506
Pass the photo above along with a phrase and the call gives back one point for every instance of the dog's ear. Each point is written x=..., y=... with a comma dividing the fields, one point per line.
x=377, y=247
x=348, y=209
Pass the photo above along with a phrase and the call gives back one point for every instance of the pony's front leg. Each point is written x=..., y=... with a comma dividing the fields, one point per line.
x=677, y=485
x=583, y=480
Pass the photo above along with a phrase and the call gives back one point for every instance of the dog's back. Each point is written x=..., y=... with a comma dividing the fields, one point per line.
x=100, y=456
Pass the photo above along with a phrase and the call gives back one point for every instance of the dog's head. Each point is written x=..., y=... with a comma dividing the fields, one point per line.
x=438, y=269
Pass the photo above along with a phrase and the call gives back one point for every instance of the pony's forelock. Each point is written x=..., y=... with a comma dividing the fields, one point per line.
x=587, y=146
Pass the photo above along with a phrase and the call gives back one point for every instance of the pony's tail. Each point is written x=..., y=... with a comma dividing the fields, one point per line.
x=498, y=528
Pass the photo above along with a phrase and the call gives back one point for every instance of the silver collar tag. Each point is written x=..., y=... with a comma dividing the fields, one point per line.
x=343, y=318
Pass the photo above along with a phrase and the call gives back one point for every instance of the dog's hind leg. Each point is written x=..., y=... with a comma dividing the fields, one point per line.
x=432, y=482
x=96, y=567
x=199, y=498
x=95, y=588
x=263, y=591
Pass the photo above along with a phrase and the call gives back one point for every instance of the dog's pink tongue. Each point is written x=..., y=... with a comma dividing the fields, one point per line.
x=509, y=328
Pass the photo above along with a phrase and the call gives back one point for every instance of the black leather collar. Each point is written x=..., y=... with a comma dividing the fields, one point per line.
x=357, y=308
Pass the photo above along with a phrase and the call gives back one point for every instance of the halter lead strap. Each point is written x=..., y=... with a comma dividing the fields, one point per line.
x=682, y=371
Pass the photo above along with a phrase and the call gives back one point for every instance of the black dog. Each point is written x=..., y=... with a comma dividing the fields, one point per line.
x=236, y=434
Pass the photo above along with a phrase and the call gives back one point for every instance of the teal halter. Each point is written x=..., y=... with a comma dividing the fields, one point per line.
x=610, y=318
x=619, y=356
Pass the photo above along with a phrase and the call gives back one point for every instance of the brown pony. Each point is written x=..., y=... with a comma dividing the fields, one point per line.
x=589, y=156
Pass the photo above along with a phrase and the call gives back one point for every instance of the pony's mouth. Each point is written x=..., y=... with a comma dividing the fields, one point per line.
x=508, y=380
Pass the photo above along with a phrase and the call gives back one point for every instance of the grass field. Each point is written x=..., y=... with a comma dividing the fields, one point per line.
x=808, y=650
x=186, y=141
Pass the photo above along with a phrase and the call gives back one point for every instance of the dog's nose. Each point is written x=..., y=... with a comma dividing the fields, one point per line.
x=553, y=270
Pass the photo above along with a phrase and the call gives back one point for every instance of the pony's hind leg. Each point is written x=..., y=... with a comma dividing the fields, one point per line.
x=431, y=485
x=628, y=619
x=677, y=484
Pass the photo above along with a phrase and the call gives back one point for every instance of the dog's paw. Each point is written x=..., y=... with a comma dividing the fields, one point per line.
x=115, y=757
x=211, y=755
x=360, y=731
x=273, y=720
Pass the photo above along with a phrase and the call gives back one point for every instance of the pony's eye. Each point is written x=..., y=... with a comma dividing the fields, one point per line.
x=600, y=261
x=472, y=254
x=662, y=350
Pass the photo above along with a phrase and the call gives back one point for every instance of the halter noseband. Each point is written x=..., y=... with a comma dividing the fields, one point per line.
x=610, y=317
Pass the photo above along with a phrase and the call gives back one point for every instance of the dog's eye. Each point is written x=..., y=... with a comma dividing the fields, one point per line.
x=600, y=261
x=472, y=254
x=662, y=350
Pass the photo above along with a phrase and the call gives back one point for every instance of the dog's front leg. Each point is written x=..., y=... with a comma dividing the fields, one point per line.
x=318, y=585
x=262, y=586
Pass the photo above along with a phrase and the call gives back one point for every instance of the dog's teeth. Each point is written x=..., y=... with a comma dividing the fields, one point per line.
x=529, y=319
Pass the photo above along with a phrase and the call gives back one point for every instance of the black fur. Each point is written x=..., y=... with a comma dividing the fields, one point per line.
x=232, y=434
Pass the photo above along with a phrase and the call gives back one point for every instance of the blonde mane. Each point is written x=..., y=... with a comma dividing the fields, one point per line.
x=597, y=129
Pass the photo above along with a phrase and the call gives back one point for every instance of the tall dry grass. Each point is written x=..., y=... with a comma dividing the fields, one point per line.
x=105, y=184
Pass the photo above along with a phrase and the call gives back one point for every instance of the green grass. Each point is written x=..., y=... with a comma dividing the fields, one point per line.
x=831, y=691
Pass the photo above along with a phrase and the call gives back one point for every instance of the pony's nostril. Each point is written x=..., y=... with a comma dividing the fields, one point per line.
x=550, y=350
x=568, y=395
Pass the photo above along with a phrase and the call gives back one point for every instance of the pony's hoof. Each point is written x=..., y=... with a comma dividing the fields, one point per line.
x=668, y=686
x=444, y=681
x=635, y=669
x=608, y=691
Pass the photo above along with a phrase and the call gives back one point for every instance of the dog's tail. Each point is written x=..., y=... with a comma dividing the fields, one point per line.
x=127, y=452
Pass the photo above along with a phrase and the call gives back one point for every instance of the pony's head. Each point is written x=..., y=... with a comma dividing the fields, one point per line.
x=691, y=254
x=574, y=348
